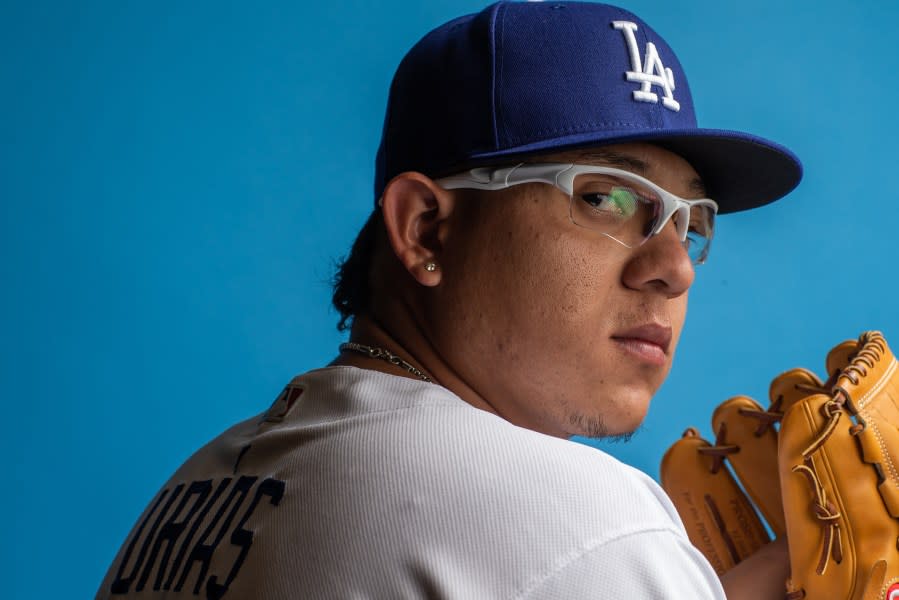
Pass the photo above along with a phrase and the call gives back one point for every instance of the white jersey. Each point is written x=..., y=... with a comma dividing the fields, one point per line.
x=359, y=484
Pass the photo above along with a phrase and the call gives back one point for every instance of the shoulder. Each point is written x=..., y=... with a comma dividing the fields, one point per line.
x=528, y=509
x=423, y=439
x=399, y=488
x=645, y=564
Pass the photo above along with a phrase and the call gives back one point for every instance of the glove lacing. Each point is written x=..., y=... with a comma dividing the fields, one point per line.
x=872, y=348
x=721, y=449
x=766, y=418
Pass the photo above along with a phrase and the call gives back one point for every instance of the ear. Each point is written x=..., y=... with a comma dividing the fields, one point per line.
x=415, y=215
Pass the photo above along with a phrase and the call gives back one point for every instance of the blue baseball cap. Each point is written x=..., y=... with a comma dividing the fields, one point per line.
x=525, y=78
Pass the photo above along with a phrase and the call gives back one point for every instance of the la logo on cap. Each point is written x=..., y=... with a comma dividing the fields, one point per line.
x=649, y=72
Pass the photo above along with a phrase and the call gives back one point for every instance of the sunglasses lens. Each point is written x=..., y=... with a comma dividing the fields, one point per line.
x=613, y=207
x=628, y=212
x=699, y=233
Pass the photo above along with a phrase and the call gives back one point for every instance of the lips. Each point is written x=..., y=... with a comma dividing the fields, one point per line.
x=650, y=342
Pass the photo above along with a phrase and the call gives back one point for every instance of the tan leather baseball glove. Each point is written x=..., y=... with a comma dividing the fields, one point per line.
x=820, y=464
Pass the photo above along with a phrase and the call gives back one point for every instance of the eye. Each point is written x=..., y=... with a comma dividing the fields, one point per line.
x=701, y=222
x=695, y=226
x=619, y=204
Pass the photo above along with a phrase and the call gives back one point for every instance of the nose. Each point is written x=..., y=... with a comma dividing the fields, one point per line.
x=661, y=265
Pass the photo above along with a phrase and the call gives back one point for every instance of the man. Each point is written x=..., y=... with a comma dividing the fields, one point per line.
x=542, y=198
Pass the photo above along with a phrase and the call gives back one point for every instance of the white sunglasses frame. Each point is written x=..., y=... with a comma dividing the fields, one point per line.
x=561, y=175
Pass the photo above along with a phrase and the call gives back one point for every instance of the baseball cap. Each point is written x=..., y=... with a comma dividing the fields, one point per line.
x=525, y=78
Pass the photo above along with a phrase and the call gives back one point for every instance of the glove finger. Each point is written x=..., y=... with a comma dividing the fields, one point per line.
x=741, y=423
x=791, y=386
x=840, y=356
x=718, y=516
x=870, y=385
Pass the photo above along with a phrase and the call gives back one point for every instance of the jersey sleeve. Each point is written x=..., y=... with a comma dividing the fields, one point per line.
x=657, y=564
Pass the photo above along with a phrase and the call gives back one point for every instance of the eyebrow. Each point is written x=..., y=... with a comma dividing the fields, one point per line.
x=699, y=187
x=634, y=164
x=616, y=159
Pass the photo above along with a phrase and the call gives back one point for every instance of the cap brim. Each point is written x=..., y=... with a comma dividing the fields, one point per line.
x=740, y=170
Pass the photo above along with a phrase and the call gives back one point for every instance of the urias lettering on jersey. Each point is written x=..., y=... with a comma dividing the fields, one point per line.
x=179, y=541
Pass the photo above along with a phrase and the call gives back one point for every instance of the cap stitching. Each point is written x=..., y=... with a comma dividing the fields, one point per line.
x=585, y=127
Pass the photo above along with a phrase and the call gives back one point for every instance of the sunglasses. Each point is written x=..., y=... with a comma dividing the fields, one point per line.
x=618, y=204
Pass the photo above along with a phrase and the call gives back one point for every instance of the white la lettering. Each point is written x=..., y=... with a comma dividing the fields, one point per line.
x=649, y=72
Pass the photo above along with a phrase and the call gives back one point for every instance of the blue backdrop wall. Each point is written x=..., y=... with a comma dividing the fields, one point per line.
x=177, y=180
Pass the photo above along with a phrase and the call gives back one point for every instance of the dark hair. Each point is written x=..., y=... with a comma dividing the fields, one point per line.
x=351, y=283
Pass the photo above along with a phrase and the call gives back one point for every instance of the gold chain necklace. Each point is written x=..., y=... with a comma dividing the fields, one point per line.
x=374, y=352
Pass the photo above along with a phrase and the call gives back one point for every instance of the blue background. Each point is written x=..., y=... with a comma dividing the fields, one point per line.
x=177, y=180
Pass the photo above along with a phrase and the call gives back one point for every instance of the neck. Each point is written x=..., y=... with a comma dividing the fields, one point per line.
x=368, y=332
x=414, y=349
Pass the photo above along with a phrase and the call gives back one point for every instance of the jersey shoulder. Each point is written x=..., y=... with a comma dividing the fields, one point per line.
x=359, y=484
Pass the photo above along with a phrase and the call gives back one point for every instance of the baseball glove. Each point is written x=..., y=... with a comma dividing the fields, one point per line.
x=820, y=464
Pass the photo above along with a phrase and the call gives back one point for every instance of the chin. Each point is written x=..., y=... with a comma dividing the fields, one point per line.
x=620, y=420
x=598, y=427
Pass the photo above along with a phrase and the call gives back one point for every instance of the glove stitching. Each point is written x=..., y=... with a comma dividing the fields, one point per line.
x=837, y=506
x=883, y=450
x=877, y=386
